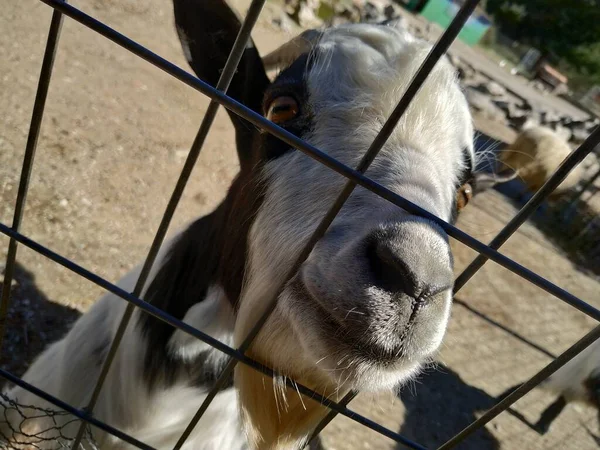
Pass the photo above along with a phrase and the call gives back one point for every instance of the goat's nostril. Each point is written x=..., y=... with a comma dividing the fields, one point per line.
x=396, y=269
x=391, y=272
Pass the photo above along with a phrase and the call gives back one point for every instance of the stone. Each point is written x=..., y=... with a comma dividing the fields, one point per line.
x=418, y=30
x=307, y=17
x=484, y=105
x=549, y=117
x=370, y=13
x=523, y=122
x=348, y=11
x=378, y=4
x=493, y=88
x=454, y=60
x=539, y=86
x=526, y=105
x=561, y=89
x=592, y=124
x=390, y=12
x=466, y=73
x=579, y=134
x=574, y=124
x=563, y=132
x=283, y=22
x=510, y=108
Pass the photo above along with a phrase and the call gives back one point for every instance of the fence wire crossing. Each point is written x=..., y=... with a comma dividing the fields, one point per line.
x=355, y=177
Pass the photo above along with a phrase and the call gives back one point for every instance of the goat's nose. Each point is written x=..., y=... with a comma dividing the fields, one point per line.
x=419, y=268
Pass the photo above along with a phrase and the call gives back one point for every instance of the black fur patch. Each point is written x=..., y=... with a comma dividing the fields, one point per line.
x=290, y=82
x=212, y=251
x=466, y=176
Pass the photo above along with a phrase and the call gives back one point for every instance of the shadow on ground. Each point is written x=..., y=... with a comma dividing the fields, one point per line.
x=440, y=405
x=33, y=322
x=565, y=224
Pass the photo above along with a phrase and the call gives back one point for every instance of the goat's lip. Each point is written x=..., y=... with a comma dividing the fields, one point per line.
x=337, y=334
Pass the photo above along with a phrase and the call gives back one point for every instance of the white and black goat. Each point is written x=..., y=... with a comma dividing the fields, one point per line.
x=368, y=307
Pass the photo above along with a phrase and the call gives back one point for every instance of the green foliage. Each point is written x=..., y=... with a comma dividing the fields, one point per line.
x=566, y=30
x=558, y=24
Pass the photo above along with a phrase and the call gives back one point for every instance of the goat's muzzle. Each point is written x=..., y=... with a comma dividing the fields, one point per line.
x=380, y=300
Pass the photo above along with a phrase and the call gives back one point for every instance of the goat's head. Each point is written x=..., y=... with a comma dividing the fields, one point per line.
x=372, y=301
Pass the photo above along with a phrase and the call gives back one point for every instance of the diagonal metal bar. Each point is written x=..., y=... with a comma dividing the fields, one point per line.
x=501, y=406
x=34, y=131
x=316, y=154
x=76, y=412
x=233, y=60
x=219, y=385
x=574, y=201
x=532, y=205
x=332, y=414
x=167, y=318
x=413, y=88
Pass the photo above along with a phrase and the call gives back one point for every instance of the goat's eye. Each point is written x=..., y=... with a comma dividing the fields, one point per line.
x=463, y=195
x=282, y=109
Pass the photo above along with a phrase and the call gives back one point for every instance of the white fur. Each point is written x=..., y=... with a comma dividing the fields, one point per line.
x=569, y=379
x=535, y=154
x=185, y=45
x=214, y=316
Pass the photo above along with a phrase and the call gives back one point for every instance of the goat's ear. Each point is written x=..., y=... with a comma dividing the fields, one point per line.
x=485, y=181
x=207, y=30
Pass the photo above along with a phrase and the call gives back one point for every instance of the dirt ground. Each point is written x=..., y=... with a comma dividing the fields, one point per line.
x=115, y=134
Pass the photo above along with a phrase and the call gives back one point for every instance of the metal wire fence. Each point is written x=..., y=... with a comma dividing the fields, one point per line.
x=578, y=215
x=56, y=434
x=218, y=96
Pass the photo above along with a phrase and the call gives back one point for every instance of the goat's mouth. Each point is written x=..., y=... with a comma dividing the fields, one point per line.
x=401, y=345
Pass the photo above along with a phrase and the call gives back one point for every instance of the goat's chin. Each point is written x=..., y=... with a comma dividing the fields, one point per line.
x=349, y=361
x=274, y=416
x=278, y=417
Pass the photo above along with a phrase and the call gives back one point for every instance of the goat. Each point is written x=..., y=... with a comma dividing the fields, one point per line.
x=578, y=381
x=534, y=156
x=370, y=304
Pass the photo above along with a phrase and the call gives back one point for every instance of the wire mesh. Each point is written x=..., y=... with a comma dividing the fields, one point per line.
x=68, y=409
x=55, y=434
x=355, y=176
